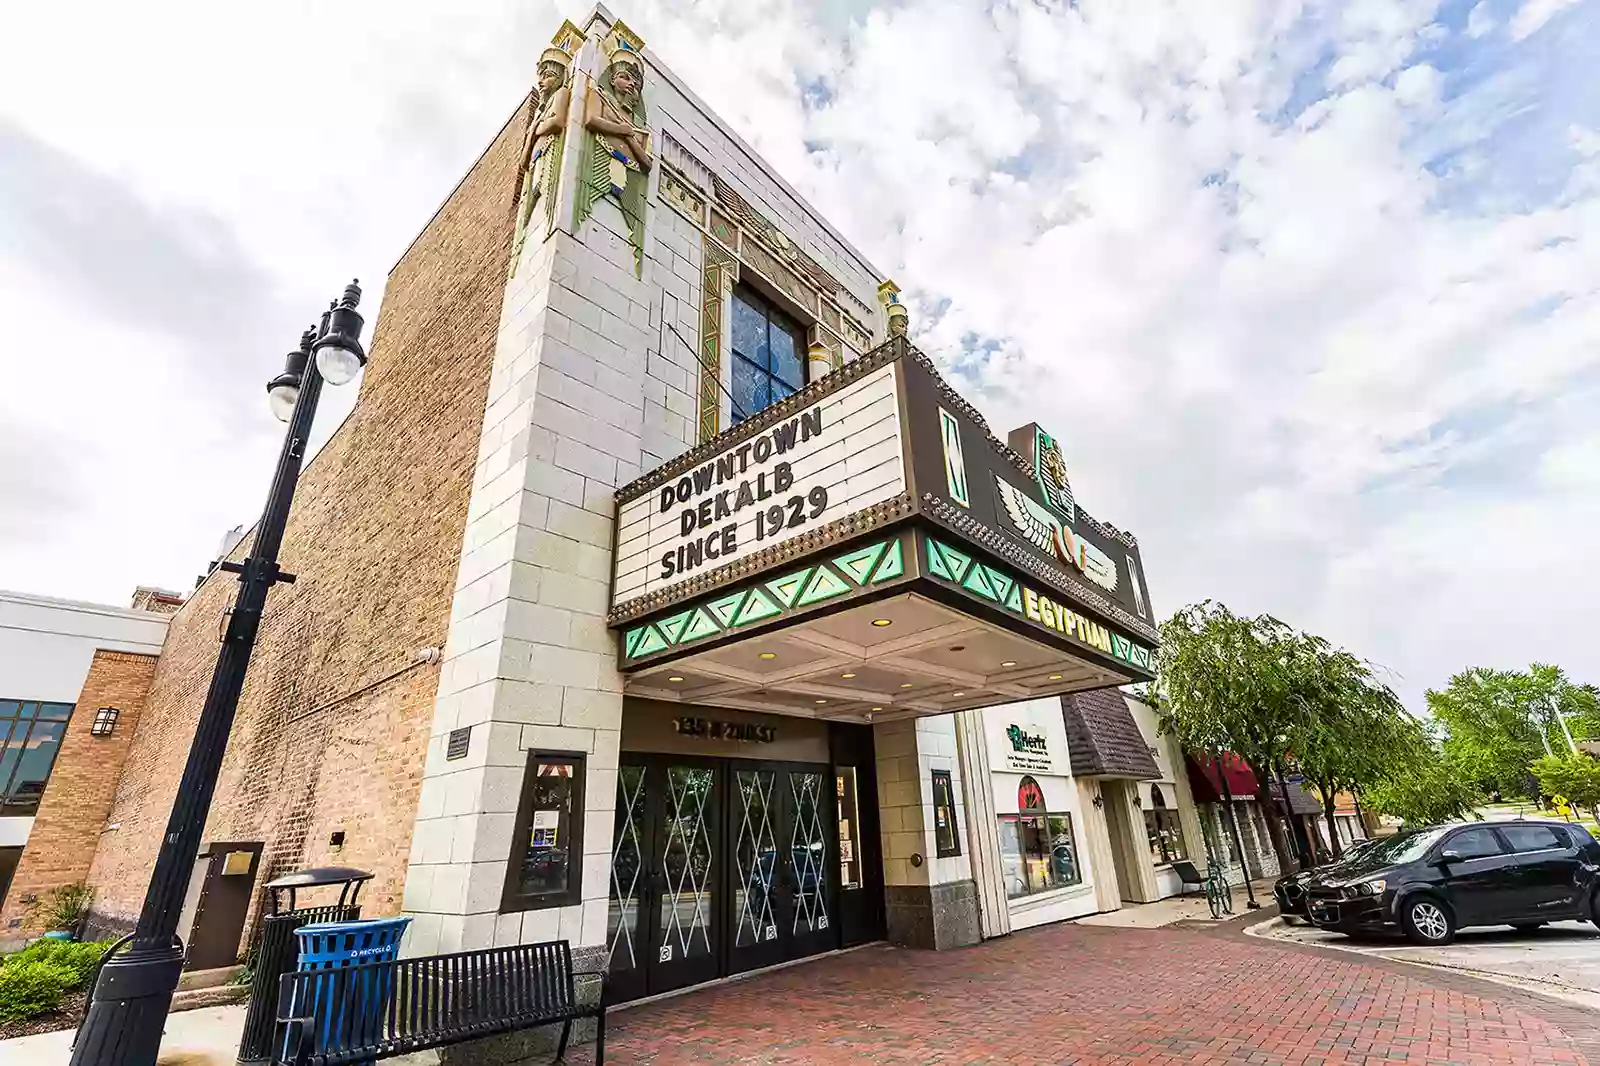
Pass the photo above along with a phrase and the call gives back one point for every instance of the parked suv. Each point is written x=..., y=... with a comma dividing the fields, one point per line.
x=1431, y=882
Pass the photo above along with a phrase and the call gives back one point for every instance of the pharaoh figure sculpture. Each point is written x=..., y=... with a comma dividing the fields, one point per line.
x=541, y=147
x=618, y=160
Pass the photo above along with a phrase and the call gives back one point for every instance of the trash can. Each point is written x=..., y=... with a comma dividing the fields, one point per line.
x=350, y=1011
x=275, y=950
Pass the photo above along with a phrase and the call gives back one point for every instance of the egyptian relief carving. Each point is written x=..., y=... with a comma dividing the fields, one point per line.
x=542, y=145
x=617, y=161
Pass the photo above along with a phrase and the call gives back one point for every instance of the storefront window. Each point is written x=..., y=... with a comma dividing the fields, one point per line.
x=1038, y=851
x=546, y=845
x=1166, y=836
x=849, y=820
x=945, y=836
x=30, y=735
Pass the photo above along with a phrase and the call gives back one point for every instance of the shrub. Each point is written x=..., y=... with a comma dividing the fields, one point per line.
x=67, y=907
x=31, y=987
x=76, y=959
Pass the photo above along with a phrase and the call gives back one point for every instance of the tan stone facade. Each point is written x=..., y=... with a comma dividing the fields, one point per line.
x=72, y=812
x=333, y=722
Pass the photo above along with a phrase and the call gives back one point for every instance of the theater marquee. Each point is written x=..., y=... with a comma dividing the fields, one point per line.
x=847, y=523
x=834, y=457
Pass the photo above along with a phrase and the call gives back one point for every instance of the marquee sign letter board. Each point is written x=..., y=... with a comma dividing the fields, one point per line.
x=832, y=458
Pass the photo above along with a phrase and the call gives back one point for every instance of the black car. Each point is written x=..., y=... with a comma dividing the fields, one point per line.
x=1290, y=889
x=1428, y=883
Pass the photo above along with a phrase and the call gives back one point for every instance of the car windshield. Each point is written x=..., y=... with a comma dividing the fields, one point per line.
x=1400, y=848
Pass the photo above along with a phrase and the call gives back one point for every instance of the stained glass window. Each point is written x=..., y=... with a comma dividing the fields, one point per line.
x=768, y=354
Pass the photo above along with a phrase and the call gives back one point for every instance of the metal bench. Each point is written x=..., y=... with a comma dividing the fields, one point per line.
x=1187, y=875
x=378, y=1009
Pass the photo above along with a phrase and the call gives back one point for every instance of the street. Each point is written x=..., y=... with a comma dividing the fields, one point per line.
x=1562, y=959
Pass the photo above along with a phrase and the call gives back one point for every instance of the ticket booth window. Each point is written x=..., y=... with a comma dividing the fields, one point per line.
x=546, y=845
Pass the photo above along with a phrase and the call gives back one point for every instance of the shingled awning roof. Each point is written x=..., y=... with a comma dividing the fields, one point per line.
x=1300, y=801
x=1103, y=740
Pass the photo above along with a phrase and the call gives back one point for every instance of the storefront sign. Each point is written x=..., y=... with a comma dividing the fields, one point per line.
x=1028, y=751
x=1000, y=586
x=828, y=460
x=715, y=729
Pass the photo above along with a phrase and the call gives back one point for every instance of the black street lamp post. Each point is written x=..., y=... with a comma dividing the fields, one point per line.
x=129, y=1005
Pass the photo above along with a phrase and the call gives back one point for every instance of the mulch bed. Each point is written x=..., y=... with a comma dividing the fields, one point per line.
x=65, y=1017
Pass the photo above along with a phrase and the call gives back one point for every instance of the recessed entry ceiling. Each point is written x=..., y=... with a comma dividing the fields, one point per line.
x=897, y=658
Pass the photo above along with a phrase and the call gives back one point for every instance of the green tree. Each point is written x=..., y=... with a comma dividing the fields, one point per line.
x=1226, y=683
x=1425, y=790
x=1575, y=778
x=1353, y=729
x=1498, y=722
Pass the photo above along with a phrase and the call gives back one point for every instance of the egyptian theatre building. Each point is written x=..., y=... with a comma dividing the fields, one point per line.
x=721, y=571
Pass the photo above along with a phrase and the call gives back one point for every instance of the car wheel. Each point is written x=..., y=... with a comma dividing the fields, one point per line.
x=1427, y=921
x=1527, y=927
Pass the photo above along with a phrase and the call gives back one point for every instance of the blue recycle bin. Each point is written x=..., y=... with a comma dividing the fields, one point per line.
x=334, y=946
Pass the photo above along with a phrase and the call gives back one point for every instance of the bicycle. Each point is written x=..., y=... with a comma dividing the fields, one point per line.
x=1219, y=897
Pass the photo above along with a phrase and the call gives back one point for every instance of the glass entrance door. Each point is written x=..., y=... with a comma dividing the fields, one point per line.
x=663, y=925
x=718, y=866
x=782, y=857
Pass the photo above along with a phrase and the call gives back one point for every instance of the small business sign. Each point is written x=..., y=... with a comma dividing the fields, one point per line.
x=1027, y=751
x=835, y=457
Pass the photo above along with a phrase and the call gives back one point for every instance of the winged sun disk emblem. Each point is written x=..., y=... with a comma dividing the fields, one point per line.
x=1040, y=527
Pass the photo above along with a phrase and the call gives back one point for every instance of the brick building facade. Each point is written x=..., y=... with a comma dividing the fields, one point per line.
x=619, y=303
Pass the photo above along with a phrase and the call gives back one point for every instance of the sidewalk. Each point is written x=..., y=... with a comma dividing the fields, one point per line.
x=1175, y=909
x=212, y=1031
x=1067, y=993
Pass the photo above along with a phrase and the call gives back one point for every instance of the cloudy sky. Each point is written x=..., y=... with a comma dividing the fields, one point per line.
x=1310, y=290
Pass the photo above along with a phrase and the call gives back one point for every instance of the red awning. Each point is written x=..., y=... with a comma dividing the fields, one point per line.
x=1206, y=783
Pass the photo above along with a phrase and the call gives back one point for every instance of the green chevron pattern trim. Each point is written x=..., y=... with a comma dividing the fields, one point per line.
x=726, y=609
x=978, y=581
x=947, y=562
x=859, y=563
x=646, y=640
x=857, y=568
x=788, y=589
x=893, y=565
x=672, y=628
x=757, y=605
x=824, y=585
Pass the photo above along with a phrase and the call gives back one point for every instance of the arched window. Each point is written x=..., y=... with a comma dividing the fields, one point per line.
x=1163, y=830
x=1038, y=852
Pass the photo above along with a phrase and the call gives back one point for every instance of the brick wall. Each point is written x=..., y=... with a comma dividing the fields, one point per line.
x=333, y=723
x=72, y=811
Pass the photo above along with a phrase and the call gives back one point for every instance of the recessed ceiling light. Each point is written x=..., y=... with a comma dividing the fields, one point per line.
x=1055, y=677
x=822, y=701
x=958, y=695
x=847, y=676
x=880, y=622
x=906, y=685
x=877, y=708
x=674, y=678
x=1009, y=662
x=767, y=655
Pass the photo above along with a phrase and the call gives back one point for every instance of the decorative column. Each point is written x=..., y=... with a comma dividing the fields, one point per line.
x=982, y=825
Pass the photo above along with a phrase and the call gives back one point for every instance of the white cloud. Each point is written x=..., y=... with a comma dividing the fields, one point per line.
x=1533, y=14
x=1233, y=253
x=1480, y=20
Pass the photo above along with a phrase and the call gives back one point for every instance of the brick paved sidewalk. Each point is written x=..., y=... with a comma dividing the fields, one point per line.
x=1077, y=994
